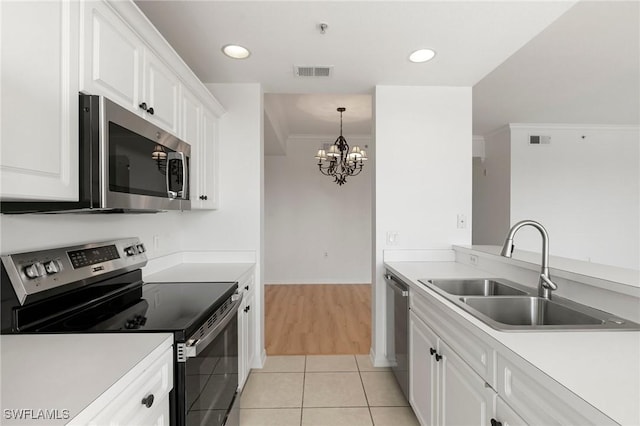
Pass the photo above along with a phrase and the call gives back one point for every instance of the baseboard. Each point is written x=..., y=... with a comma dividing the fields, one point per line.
x=378, y=362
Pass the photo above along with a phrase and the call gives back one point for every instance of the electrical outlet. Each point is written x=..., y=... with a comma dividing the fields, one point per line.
x=473, y=259
x=156, y=242
x=392, y=238
x=462, y=221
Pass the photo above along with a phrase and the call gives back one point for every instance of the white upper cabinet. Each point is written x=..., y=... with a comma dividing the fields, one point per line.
x=50, y=51
x=200, y=129
x=118, y=65
x=161, y=91
x=208, y=175
x=39, y=111
x=111, y=56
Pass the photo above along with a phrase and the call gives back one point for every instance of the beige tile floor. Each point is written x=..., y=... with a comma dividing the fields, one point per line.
x=323, y=390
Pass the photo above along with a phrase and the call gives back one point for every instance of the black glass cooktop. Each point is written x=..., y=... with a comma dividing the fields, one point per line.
x=180, y=308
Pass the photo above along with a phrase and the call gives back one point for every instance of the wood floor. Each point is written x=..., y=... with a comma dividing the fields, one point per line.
x=318, y=319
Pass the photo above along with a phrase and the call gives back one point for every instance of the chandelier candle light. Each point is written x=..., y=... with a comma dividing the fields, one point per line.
x=339, y=162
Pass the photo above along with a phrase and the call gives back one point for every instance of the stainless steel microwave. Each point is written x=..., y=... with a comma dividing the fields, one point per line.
x=127, y=164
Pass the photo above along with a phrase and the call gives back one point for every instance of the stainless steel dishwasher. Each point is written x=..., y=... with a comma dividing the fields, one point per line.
x=398, y=330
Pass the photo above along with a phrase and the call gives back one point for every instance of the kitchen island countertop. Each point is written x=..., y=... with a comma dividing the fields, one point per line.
x=601, y=367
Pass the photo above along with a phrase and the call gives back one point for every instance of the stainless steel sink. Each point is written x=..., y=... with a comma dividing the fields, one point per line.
x=508, y=306
x=529, y=311
x=478, y=287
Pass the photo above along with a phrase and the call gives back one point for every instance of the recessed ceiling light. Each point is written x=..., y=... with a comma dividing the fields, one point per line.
x=422, y=55
x=236, y=52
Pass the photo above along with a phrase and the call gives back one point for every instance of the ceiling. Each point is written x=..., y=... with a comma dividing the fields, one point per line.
x=583, y=69
x=527, y=60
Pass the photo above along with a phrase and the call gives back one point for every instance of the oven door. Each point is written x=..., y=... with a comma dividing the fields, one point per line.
x=211, y=374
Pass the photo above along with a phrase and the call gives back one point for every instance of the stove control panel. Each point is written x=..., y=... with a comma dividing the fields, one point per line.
x=61, y=269
x=134, y=249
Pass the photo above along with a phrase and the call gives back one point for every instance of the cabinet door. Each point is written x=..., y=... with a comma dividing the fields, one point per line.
x=112, y=57
x=247, y=331
x=464, y=398
x=128, y=408
x=505, y=416
x=423, y=378
x=209, y=161
x=161, y=92
x=39, y=111
x=191, y=132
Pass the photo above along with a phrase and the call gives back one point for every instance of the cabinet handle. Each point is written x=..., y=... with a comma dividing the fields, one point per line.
x=143, y=106
x=432, y=351
x=246, y=287
x=494, y=422
x=438, y=357
x=204, y=197
x=150, y=110
x=148, y=401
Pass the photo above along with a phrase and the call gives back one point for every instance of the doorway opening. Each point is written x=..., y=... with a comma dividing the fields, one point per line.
x=317, y=234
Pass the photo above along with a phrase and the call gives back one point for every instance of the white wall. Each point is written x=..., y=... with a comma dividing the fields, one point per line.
x=423, y=148
x=307, y=215
x=491, y=190
x=39, y=231
x=585, y=191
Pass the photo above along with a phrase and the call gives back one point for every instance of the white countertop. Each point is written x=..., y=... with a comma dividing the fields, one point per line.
x=66, y=371
x=201, y=272
x=603, y=368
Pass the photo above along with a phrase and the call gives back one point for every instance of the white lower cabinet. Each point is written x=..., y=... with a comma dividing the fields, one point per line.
x=423, y=381
x=465, y=399
x=539, y=400
x=461, y=376
x=246, y=329
x=144, y=399
x=444, y=390
x=505, y=416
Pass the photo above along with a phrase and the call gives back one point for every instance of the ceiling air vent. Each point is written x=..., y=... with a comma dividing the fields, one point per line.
x=539, y=140
x=313, y=71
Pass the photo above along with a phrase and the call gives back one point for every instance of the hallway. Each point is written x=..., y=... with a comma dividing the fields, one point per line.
x=318, y=319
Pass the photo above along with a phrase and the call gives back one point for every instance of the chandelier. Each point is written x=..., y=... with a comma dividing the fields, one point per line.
x=338, y=162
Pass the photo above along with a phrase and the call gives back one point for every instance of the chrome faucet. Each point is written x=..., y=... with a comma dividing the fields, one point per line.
x=545, y=285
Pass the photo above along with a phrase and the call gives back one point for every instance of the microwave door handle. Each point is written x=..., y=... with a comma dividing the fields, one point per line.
x=176, y=194
x=185, y=177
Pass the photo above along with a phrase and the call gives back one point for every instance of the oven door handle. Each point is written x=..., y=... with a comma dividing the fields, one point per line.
x=193, y=347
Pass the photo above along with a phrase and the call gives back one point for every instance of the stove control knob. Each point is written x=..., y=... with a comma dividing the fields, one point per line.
x=51, y=267
x=131, y=250
x=34, y=270
x=141, y=248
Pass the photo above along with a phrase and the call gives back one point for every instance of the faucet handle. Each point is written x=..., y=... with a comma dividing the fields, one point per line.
x=548, y=283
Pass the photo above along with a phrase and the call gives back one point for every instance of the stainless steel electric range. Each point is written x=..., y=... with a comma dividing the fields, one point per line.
x=98, y=287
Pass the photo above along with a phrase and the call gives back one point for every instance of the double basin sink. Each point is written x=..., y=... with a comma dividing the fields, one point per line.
x=508, y=306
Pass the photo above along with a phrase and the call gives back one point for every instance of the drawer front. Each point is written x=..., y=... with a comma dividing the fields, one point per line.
x=474, y=351
x=539, y=400
x=157, y=380
x=506, y=416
